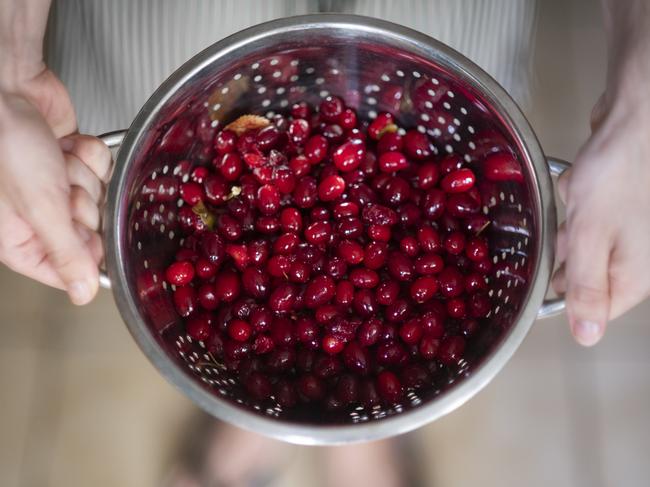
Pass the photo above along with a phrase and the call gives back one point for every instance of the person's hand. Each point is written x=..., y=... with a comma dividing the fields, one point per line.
x=605, y=242
x=50, y=188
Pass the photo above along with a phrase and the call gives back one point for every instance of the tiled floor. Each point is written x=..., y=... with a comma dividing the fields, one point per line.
x=82, y=406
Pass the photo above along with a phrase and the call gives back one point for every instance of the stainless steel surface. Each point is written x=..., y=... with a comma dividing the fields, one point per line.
x=553, y=307
x=113, y=140
x=363, y=60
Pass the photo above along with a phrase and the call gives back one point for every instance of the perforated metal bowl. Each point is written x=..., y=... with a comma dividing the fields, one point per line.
x=376, y=66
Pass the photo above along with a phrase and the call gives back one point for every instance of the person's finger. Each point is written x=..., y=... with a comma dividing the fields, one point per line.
x=93, y=241
x=83, y=208
x=561, y=243
x=91, y=151
x=79, y=174
x=559, y=280
x=587, y=286
x=563, y=185
x=49, y=215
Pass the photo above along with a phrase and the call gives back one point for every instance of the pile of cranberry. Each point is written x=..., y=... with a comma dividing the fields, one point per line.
x=331, y=261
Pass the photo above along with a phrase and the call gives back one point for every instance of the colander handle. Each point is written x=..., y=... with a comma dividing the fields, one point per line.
x=552, y=307
x=113, y=140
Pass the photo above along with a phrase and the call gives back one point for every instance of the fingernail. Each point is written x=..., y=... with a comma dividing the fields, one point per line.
x=587, y=332
x=79, y=292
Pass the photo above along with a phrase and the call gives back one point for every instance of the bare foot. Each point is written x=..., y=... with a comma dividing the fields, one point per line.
x=374, y=464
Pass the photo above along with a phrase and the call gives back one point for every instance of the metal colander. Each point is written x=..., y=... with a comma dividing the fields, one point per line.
x=375, y=66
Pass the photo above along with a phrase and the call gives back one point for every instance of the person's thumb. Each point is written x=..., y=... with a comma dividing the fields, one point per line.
x=587, y=280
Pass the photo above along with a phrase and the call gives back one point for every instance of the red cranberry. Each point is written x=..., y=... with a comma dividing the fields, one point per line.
x=286, y=243
x=198, y=327
x=331, y=108
x=331, y=188
x=475, y=282
x=387, y=293
x=462, y=205
x=281, y=359
x=450, y=163
x=469, y=327
x=225, y=142
x=350, y=228
x=282, y=298
x=229, y=227
x=411, y=331
x=409, y=245
x=398, y=311
x=260, y=319
x=458, y=181
x=396, y=191
x=428, y=175
x=316, y=149
x=429, y=347
x=400, y=266
x=380, y=125
x=429, y=239
x=216, y=189
x=311, y=388
x=389, y=386
x=345, y=209
x=409, y=215
x=349, y=155
x=192, y=193
x=185, y=300
x=456, y=308
x=344, y=293
x=455, y=243
x=332, y=345
x=380, y=233
x=299, y=272
x=390, y=142
x=423, y=289
x=451, y=282
x=239, y=330
x=347, y=389
x=365, y=303
x=300, y=110
x=429, y=264
x=502, y=167
x=226, y=286
x=451, y=350
x=417, y=145
x=207, y=297
x=300, y=166
x=392, y=162
x=348, y=119
x=374, y=255
x=369, y=332
x=299, y=131
x=364, y=278
x=268, y=199
x=379, y=215
x=318, y=232
x=258, y=252
x=415, y=376
x=479, y=305
x=231, y=167
x=255, y=282
x=319, y=291
x=306, y=193
x=391, y=353
x=180, y=273
x=291, y=220
x=477, y=249
x=435, y=202
x=351, y=251
x=433, y=322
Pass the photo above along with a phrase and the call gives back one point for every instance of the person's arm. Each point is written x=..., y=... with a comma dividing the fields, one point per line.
x=49, y=176
x=605, y=242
